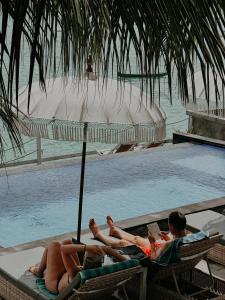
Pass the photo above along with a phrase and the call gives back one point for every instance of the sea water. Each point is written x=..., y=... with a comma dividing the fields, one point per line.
x=176, y=115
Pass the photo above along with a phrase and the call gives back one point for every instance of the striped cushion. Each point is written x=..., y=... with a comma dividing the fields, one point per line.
x=92, y=273
x=40, y=282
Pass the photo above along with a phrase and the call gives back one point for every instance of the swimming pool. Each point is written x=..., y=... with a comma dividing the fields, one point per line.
x=41, y=203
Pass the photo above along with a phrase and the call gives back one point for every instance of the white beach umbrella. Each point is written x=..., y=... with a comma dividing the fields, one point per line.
x=91, y=111
x=200, y=89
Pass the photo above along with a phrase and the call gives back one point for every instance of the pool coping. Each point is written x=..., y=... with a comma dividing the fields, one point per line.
x=14, y=170
x=181, y=137
x=127, y=224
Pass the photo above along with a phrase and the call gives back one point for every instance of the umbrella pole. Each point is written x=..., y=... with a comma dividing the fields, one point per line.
x=82, y=182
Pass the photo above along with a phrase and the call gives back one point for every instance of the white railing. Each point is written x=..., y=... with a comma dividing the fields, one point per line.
x=34, y=155
x=213, y=108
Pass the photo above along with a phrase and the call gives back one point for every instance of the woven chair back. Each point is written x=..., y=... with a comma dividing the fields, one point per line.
x=191, y=254
x=109, y=280
x=199, y=248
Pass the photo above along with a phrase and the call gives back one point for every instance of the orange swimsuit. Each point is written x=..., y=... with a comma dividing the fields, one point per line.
x=148, y=250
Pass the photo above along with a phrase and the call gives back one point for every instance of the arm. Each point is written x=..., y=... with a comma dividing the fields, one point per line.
x=70, y=249
x=111, y=252
x=156, y=251
x=165, y=236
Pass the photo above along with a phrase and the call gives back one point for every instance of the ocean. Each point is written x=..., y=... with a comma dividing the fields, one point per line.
x=176, y=118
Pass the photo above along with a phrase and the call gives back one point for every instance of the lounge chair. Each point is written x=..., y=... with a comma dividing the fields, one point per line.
x=190, y=255
x=117, y=149
x=213, y=221
x=18, y=284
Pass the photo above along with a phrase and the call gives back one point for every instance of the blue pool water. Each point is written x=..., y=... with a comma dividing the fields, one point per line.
x=38, y=204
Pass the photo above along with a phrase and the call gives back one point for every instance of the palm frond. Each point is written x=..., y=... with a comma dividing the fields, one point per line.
x=60, y=35
x=175, y=32
x=9, y=125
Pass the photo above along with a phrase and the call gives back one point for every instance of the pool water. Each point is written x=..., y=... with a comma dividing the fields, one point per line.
x=42, y=203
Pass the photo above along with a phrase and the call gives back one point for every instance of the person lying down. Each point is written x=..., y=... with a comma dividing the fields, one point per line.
x=150, y=246
x=60, y=262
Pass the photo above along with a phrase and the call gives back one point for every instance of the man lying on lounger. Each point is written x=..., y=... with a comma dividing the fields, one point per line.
x=151, y=247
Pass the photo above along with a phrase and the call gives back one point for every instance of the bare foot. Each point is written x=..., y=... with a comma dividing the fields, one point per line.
x=94, y=228
x=109, y=221
x=35, y=271
x=112, y=229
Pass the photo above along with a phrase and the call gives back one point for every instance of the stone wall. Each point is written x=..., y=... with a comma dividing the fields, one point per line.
x=206, y=125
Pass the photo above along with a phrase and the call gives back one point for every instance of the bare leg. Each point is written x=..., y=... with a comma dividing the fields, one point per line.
x=71, y=266
x=121, y=234
x=55, y=266
x=74, y=254
x=105, y=239
x=39, y=270
x=60, y=267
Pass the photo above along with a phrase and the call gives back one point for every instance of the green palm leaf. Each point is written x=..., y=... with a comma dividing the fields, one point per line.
x=62, y=33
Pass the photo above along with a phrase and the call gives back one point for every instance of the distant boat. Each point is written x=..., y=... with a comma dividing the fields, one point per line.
x=133, y=75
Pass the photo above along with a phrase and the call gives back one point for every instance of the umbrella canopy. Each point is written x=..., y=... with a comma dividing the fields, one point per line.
x=115, y=113
x=200, y=88
x=91, y=111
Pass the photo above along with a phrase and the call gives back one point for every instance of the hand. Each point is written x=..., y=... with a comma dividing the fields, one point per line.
x=164, y=236
x=151, y=237
x=107, y=250
x=95, y=249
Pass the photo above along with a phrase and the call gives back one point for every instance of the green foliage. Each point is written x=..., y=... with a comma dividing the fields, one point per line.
x=175, y=32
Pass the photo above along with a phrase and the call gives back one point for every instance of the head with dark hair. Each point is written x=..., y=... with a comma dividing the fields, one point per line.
x=177, y=223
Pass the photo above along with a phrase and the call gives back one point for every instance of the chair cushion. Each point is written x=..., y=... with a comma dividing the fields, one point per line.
x=88, y=274
x=172, y=253
x=195, y=237
x=92, y=273
x=40, y=282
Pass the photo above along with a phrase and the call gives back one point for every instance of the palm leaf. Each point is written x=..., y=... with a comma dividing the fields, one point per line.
x=62, y=33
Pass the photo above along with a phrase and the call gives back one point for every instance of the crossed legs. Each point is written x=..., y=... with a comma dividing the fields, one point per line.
x=60, y=267
x=125, y=238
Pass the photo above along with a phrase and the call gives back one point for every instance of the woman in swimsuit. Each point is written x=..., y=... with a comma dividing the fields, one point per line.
x=61, y=263
x=151, y=247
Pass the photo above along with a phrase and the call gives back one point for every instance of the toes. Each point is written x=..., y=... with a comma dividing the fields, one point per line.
x=109, y=220
x=34, y=270
x=91, y=222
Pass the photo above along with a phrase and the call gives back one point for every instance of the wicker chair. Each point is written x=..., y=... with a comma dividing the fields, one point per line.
x=99, y=287
x=14, y=289
x=191, y=254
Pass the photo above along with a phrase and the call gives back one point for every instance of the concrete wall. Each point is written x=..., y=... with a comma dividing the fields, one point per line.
x=206, y=125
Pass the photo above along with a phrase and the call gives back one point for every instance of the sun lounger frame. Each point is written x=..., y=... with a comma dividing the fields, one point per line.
x=191, y=254
x=113, y=281
x=13, y=289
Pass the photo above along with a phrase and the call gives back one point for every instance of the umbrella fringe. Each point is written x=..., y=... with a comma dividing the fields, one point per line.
x=103, y=133
x=120, y=134
x=32, y=129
